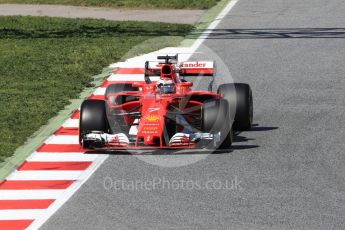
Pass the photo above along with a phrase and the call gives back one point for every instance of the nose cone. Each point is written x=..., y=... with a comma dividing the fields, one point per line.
x=150, y=128
x=151, y=125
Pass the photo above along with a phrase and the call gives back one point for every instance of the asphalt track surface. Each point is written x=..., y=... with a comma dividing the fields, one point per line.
x=289, y=168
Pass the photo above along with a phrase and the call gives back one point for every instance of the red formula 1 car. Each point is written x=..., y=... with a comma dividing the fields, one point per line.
x=166, y=113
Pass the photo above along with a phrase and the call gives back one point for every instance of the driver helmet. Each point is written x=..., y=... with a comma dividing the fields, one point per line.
x=166, y=86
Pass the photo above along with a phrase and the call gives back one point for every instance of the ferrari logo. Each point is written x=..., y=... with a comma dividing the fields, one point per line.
x=152, y=118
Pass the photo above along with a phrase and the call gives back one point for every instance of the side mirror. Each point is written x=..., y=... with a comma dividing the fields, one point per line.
x=187, y=84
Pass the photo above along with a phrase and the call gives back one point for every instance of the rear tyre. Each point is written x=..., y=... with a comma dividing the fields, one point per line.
x=240, y=99
x=93, y=117
x=117, y=124
x=215, y=119
x=117, y=88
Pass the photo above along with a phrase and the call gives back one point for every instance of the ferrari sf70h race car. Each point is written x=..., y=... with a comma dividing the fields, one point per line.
x=166, y=113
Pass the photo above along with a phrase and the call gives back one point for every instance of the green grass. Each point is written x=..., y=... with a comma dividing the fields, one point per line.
x=176, y=4
x=45, y=62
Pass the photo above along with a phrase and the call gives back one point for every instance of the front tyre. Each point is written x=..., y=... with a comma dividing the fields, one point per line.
x=216, y=119
x=240, y=99
x=93, y=117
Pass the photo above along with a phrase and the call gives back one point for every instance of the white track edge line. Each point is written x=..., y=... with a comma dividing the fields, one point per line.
x=214, y=24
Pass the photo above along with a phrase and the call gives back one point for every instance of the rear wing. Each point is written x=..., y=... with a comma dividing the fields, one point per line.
x=197, y=68
x=189, y=68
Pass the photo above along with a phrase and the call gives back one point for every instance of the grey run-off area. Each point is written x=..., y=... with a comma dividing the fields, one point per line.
x=155, y=15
